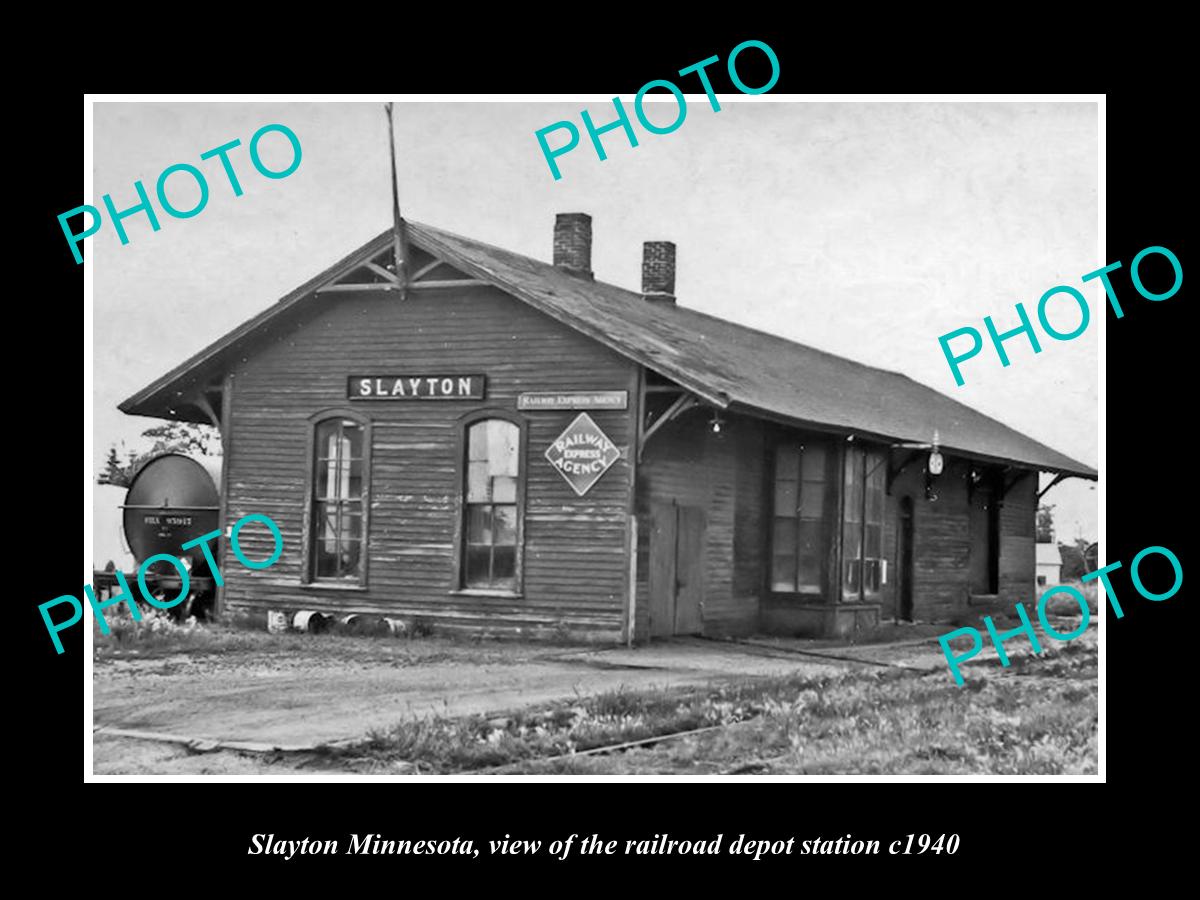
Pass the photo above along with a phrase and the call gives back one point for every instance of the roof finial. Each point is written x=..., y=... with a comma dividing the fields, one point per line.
x=399, y=238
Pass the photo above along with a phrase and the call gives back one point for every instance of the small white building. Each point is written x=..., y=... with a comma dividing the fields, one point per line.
x=108, y=536
x=1049, y=565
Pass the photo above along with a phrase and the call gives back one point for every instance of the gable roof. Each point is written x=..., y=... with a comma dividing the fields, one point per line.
x=728, y=365
x=1048, y=554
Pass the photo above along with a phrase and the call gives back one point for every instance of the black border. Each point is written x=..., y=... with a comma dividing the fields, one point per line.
x=1002, y=825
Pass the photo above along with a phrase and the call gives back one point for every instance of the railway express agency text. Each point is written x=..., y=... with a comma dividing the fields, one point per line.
x=583, y=454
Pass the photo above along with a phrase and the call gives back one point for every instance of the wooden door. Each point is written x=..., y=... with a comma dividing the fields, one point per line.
x=676, y=569
x=689, y=570
x=904, y=561
x=663, y=530
x=982, y=564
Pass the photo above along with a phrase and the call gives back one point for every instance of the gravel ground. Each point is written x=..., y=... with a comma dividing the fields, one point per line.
x=332, y=689
x=311, y=689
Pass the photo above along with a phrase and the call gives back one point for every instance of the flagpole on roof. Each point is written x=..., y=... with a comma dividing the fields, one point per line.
x=399, y=238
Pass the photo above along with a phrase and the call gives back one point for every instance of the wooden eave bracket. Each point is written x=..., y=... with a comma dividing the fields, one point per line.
x=681, y=405
x=1010, y=484
x=895, y=472
x=199, y=399
x=1061, y=476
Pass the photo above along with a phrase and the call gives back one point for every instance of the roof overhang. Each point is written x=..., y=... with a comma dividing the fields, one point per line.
x=1076, y=469
x=169, y=397
x=183, y=393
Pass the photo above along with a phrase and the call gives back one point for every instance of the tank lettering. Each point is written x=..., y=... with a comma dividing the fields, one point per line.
x=178, y=580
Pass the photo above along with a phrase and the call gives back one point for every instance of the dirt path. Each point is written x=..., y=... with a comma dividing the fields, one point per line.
x=289, y=701
x=316, y=693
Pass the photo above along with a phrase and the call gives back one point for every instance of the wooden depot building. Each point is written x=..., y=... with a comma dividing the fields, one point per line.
x=513, y=446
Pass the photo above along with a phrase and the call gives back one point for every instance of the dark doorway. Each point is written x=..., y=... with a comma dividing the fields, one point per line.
x=904, y=560
x=984, y=563
x=676, y=569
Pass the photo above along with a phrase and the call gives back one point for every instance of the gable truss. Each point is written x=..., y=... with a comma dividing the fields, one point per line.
x=379, y=274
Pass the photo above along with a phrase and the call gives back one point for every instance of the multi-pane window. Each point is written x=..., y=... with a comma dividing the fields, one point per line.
x=337, y=515
x=801, y=495
x=865, y=485
x=492, y=506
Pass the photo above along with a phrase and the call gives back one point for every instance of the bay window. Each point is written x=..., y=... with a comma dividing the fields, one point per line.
x=802, y=498
x=864, y=488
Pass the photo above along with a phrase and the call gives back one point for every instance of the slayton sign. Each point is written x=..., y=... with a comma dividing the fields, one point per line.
x=415, y=387
x=582, y=453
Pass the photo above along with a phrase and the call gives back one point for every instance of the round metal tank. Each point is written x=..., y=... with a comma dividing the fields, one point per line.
x=172, y=499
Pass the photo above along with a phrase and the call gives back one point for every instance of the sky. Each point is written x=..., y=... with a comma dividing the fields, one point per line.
x=863, y=229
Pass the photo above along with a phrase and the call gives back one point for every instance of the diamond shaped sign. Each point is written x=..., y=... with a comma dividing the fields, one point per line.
x=582, y=453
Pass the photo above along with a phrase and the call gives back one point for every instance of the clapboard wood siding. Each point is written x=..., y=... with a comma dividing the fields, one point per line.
x=576, y=558
x=941, y=541
x=751, y=536
x=687, y=464
x=530, y=326
x=1018, y=563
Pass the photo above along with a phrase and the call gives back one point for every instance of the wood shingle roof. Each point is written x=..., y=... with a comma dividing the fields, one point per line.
x=727, y=365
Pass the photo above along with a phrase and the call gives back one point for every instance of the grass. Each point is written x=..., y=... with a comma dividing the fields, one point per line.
x=158, y=636
x=1066, y=605
x=1036, y=717
x=476, y=742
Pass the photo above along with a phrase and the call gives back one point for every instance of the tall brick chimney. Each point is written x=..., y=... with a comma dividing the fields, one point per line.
x=658, y=271
x=573, y=243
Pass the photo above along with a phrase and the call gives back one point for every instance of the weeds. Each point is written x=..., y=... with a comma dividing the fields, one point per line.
x=562, y=632
x=155, y=628
x=158, y=636
x=421, y=628
x=1038, y=716
x=1067, y=606
x=158, y=633
x=475, y=742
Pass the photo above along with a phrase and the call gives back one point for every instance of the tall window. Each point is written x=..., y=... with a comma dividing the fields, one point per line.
x=492, y=506
x=801, y=493
x=337, y=513
x=862, y=523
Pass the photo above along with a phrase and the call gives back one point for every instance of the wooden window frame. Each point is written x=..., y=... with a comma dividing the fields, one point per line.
x=828, y=519
x=866, y=450
x=308, y=577
x=460, y=511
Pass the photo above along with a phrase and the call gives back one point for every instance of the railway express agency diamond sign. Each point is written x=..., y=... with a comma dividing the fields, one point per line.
x=582, y=453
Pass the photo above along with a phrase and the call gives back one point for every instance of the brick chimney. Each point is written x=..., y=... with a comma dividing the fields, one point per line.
x=573, y=243
x=658, y=271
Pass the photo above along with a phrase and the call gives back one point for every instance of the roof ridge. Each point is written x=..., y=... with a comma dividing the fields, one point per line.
x=720, y=360
x=685, y=310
